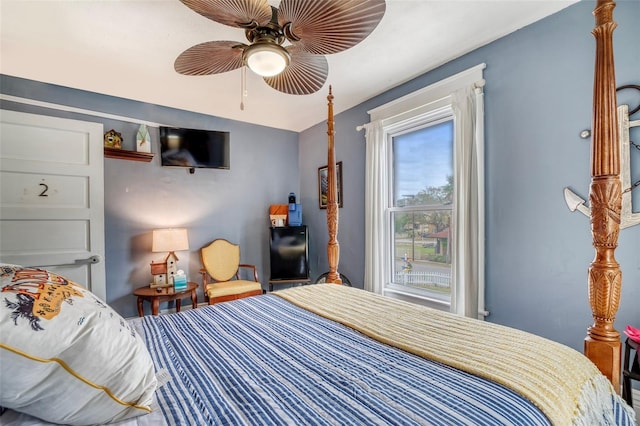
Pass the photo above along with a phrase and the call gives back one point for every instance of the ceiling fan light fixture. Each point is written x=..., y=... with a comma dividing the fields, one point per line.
x=266, y=59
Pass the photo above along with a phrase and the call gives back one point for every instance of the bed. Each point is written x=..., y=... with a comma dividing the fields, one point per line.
x=320, y=354
x=316, y=354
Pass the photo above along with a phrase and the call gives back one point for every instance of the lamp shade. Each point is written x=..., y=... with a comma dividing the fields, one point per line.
x=171, y=239
x=266, y=59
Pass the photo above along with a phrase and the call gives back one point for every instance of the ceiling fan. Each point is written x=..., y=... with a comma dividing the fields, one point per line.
x=312, y=27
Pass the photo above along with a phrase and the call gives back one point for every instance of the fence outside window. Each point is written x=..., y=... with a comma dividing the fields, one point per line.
x=423, y=279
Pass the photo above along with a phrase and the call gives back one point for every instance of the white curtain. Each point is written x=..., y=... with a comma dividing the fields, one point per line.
x=467, y=225
x=468, y=220
x=375, y=202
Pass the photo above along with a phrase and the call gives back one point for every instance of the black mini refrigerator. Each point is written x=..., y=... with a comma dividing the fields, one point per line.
x=289, y=249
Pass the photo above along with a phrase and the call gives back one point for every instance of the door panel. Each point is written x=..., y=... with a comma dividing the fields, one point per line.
x=39, y=189
x=52, y=145
x=52, y=196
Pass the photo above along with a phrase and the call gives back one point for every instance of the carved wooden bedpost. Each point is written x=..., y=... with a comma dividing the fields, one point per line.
x=333, y=247
x=602, y=344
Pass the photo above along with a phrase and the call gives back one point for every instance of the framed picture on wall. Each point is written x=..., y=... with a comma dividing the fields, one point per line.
x=323, y=185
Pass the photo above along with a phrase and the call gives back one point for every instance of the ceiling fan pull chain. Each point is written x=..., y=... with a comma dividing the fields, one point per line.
x=243, y=86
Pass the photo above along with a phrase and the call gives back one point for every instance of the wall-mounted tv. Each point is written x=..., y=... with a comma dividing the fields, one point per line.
x=194, y=148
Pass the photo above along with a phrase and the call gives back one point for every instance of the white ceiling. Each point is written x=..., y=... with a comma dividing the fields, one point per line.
x=126, y=48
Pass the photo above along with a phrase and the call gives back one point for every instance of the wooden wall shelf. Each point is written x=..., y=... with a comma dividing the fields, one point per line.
x=124, y=154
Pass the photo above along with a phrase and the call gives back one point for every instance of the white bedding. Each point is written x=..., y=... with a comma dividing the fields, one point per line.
x=155, y=418
x=13, y=418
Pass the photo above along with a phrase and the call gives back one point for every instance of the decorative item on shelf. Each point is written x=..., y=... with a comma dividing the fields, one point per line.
x=113, y=139
x=143, y=139
x=323, y=185
x=180, y=281
x=167, y=240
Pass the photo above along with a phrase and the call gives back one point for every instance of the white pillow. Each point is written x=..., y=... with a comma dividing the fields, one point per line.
x=66, y=356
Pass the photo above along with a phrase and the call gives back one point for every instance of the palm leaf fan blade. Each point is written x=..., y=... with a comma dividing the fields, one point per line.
x=212, y=57
x=234, y=13
x=305, y=74
x=324, y=27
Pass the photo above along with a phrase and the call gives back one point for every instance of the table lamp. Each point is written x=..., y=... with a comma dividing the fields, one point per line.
x=167, y=240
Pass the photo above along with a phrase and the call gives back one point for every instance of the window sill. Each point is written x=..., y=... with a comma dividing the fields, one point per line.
x=419, y=298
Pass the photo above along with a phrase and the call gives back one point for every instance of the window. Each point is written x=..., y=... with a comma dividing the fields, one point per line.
x=420, y=206
x=424, y=195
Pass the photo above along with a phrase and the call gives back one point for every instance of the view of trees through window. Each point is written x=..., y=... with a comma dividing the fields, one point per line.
x=422, y=208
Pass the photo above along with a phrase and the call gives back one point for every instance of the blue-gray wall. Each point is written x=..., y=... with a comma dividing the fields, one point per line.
x=538, y=97
x=139, y=197
x=537, y=100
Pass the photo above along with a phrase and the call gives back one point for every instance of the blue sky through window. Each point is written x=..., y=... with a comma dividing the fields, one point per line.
x=422, y=159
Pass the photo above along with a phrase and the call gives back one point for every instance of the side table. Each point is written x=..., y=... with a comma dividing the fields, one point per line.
x=157, y=295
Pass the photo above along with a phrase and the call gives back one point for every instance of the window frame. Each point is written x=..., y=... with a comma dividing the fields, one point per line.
x=404, y=113
x=430, y=117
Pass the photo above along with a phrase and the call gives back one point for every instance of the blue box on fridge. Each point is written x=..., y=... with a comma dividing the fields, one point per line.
x=295, y=214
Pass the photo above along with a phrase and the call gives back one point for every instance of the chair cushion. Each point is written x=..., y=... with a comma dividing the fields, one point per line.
x=232, y=287
x=66, y=356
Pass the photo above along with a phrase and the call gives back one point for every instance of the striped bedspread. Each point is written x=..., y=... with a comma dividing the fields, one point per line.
x=266, y=361
x=562, y=382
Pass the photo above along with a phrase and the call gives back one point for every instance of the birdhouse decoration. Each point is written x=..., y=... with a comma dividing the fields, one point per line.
x=167, y=240
x=159, y=272
x=172, y=266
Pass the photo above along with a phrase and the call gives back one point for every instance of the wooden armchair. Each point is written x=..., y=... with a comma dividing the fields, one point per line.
x=221, y=280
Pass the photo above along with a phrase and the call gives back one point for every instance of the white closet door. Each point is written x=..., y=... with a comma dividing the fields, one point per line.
x=52, y=196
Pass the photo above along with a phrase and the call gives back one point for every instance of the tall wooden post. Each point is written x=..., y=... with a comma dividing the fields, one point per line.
x=333, y=247
x=602, y=344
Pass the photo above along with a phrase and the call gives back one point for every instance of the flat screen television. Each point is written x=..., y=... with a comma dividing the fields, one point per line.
x=193, y=148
